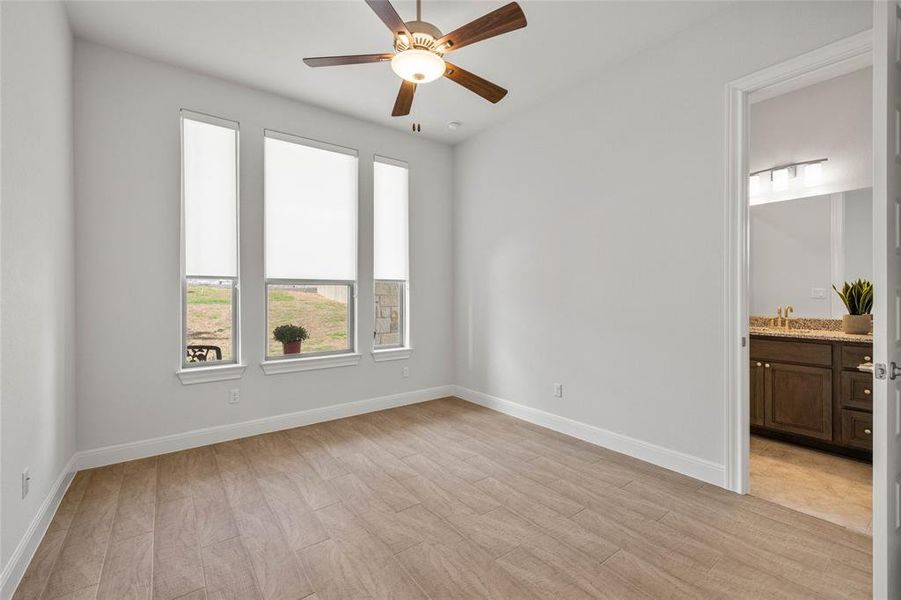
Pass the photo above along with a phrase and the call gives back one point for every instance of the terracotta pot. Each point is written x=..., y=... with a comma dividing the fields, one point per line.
x=860, y=324
x=291, y=347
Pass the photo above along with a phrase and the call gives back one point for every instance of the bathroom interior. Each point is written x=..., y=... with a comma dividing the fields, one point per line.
x=811, y=228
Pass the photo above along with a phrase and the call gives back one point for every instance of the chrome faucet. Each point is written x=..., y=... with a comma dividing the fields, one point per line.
x=788, y=311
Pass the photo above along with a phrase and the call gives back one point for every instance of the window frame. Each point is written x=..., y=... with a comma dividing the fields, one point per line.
x=329, y=358
x=405, y=329
x=351, y=318
x=236, y=360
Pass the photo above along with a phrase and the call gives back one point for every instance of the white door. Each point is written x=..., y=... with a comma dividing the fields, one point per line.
x=887, y=305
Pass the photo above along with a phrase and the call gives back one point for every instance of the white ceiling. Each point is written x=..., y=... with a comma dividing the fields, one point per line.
x=261, y=44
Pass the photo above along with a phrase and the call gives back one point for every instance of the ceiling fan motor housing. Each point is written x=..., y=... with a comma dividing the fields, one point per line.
x=425, y=36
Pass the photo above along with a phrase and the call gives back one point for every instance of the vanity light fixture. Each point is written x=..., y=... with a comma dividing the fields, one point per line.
x=781, y=177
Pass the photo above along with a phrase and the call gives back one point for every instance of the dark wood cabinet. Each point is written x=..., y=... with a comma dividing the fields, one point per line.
x=857, y=429
x=758, y=381
x=811, y=392
x=798, y=399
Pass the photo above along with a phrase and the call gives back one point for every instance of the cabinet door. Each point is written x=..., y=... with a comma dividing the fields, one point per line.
x=757, y=392
x=798, y=400
x=857, y=429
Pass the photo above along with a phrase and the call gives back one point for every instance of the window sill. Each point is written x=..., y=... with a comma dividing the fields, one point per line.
x=391, y=354
x=210, y=374
x=274, y=367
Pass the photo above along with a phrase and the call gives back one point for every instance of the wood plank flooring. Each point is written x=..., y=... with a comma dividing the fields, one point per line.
x=442, y=499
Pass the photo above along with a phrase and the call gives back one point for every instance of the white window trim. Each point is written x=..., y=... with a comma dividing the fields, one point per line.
x=405, y=349
x=392, y=354
x=351, y=317
x=276, y=366
x=207, y=374
x=311, y=363
x=188, y=373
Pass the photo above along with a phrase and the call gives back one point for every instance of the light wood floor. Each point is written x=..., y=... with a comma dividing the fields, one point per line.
x=437, y=500
x=831, y=487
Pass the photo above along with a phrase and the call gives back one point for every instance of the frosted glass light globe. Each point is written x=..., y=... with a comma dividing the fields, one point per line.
x=418, y=66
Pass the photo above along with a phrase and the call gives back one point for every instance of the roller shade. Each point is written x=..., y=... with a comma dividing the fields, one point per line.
x=391, y=220
x=210, y=172
x=311, y=209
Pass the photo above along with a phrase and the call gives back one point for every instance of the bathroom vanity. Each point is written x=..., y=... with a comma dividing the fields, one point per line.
x=807, y=387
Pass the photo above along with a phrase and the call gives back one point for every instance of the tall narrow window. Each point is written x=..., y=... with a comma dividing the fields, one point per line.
x=391, y=185
x=311, y=246
x=210, y=290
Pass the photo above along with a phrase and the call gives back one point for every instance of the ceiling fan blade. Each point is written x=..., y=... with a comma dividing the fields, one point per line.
x=484, y=88
x=354, y=59
x=404, y=99
x=503, y=20
x=389, y=17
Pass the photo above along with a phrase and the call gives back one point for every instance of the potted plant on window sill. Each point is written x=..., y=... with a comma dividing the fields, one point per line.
x=290, y=336
x=858, y=299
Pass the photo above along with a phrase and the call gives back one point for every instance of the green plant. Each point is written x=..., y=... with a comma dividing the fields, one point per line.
x=857, y=296
x=290, y=333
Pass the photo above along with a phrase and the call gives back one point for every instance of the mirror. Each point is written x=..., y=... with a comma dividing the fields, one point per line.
x=800, y=247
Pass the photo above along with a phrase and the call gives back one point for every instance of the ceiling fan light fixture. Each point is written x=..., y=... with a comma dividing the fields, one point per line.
x=418, y=66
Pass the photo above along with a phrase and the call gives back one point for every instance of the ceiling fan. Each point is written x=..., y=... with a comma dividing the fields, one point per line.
x=419, y=49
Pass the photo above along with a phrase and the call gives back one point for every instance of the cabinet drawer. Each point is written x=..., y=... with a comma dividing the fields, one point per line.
x=794, y=352
x=857, y=390
x=857, y=429
x=856, y=355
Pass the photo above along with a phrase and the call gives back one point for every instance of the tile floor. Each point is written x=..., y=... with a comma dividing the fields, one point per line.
x=827, y=486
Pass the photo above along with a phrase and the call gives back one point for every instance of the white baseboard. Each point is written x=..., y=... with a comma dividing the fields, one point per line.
x=673, y=460
x=108, y=455
x=24, y=552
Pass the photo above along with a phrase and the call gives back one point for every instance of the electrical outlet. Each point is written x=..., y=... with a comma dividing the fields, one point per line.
x=406, y=371
x=558, y=390
x=234, y=396
x=26, y=482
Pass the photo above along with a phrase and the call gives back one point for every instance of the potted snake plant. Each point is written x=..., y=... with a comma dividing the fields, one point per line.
x=858, y=299
x=290, y=336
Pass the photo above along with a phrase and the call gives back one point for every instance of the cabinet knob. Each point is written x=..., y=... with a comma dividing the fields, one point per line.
x=867, y=431
x=867, y=392
x=867, y=359
x=759, y=364
x=766, y=366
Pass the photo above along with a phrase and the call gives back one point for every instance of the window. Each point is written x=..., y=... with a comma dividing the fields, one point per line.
x=311, y=244
x=391, y=185
x=210, y=281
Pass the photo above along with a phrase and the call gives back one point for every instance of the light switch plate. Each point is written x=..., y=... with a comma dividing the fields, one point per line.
x=818, y=293
x=558, y=390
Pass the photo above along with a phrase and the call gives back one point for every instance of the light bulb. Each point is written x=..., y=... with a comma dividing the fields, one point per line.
x=780, y=180
x=813, y=174
x=754, y=185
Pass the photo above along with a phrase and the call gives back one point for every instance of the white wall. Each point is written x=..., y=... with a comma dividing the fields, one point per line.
x=790, y=254
x=832, y=119
x=36, y=260
x=127, y=196
x=589, y=233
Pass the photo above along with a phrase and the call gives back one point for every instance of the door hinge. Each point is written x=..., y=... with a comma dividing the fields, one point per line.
x=879, y=371
x=744, y=341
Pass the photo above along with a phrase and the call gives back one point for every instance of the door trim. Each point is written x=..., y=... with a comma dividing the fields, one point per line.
x=824, y=63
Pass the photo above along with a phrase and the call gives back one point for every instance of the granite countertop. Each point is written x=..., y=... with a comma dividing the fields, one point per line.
x=828, y=330
x=826, y=335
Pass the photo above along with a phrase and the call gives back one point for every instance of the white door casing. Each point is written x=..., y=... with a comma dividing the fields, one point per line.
x=887, y=300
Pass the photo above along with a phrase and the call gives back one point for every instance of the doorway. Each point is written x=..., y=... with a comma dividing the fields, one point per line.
x=820, y=375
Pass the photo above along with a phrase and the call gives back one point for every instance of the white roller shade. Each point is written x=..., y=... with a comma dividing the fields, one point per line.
x=391, y=220
x=210, y=171
x=311, y=211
